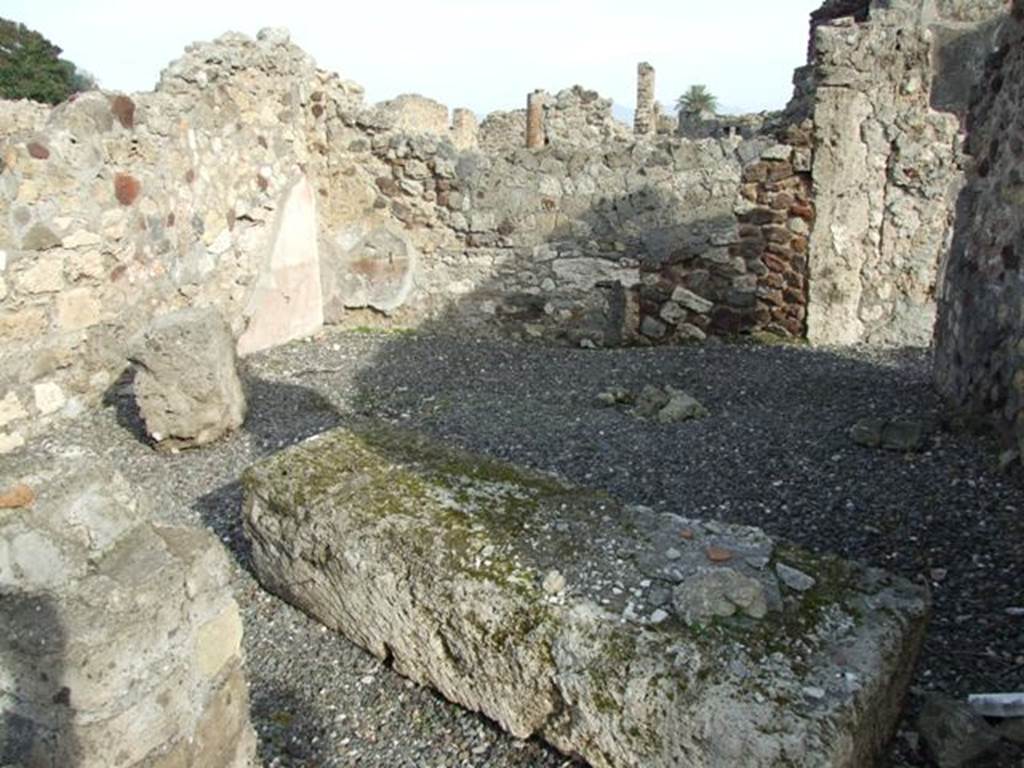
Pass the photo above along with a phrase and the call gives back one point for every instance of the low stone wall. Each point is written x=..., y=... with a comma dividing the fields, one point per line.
x=121, y=642
x=979, y=343
x=653, y=241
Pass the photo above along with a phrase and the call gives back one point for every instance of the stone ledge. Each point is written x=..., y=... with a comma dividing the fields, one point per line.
x=559, y=612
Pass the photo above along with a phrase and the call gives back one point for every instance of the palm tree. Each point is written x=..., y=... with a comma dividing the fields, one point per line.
x=696, y=100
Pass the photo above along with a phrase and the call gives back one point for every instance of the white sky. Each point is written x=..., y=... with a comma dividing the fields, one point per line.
x=481, y=54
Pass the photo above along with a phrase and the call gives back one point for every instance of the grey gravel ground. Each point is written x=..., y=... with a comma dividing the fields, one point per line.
x=774, y=453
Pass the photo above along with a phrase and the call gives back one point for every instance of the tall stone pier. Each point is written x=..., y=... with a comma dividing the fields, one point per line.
x=535, y=120
x=644, y=119
x=464, y=128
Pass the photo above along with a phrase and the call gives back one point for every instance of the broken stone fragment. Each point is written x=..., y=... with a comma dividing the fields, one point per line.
x=186, y=379
x=906, y=435
x=615, y=396
x=554, y=583
x=652, y=328
x=712, y=591
x=378, y=533
x=794, y=579
x=680, y=407
x=868, y=432
x=650, y=401
x=953, y=733
x=691, y=300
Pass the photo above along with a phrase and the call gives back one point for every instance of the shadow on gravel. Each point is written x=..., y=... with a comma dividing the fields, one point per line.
x=287, y=716
x=120, y=396
x=279, y=415
x=283, y=414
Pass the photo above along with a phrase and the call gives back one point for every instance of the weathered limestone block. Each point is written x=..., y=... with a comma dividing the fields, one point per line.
x=558, y=612
x=186, y=379
x=121, y=642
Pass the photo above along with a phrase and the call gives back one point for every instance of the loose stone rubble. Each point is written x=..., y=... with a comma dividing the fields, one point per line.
x=186, y=380
x=121, y=642
x=953, y=733
x=617, y=634
x=663, y=404
x=902, y=434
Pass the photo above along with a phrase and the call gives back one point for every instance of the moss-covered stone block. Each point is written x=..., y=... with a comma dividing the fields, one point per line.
x=560, y=612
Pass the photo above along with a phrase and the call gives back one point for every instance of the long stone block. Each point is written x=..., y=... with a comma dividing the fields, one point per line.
x=623, y=636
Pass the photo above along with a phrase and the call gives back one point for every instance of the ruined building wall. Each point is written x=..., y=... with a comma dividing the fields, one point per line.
x=887, y=97
x=979, y=343
x=118, y=209
x=253, y=182
x=618, y=241
x=574, y=116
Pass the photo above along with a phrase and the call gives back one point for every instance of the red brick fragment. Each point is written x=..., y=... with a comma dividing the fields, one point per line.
x=124, y=110
x=126, y=188
x=37, y=150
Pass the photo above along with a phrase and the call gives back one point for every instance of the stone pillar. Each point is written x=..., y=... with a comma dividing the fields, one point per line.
x=535, y=120
x=644, y=120
x=464, y=129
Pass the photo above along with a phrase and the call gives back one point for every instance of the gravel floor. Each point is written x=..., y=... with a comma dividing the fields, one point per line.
x=773, y=453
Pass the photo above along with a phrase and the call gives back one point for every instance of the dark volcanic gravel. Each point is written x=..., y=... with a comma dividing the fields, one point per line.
x=773, y=453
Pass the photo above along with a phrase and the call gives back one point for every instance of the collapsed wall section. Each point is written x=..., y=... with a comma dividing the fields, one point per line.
x=979, y=342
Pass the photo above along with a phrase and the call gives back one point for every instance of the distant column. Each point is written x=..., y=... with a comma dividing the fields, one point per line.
x=535, y=120
x=644, y=119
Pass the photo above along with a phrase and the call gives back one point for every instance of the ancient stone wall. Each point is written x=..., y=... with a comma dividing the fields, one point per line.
x=415, y=113
x=979, y=352
x=21, y=116
x=574, y=117
x=659, y=240
x=255, y=183
x=118, y=209
x=887, y=165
